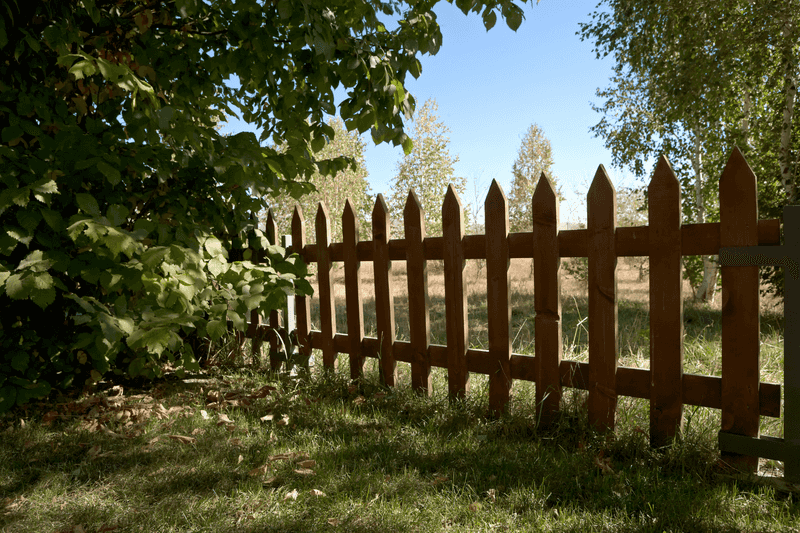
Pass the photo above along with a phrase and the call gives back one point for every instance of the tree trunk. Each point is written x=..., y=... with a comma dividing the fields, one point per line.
x=706, y=291
x=787, y=173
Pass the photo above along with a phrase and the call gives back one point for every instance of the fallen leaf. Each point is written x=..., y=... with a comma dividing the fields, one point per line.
x=359, y=400
x=260, y=471
x=283, y=421
x=182, y=439
x=291, y=495
x=267, y=418
x=241, y=458
x=198, y=431
x=204, y=414
x=235, y=442
x=317, y=493
x=333, y=521
x=269, y=481
x=475, y=506
x=304, y=472
x=491, y=494
x=49, y=417
x=282, y=457
x=604, y=464
x=222, y=418
x=263, y=392
x=308, y=463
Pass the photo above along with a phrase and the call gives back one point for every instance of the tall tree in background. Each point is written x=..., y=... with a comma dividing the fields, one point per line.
x=427, y=170
x=349, y=182
x=695, y=78
x=534, y=157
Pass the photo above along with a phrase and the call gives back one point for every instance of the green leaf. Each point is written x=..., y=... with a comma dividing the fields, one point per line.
x=216, y=328
x=117, y=214
x=489, y=19
x=19, y=361
x=214, y=247
x=43, y=297
x=112, y=174
x=88, y=203
x=11, y=132
x=8, y=397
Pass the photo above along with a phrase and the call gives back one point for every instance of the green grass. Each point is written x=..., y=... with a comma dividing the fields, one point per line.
x=386, y=460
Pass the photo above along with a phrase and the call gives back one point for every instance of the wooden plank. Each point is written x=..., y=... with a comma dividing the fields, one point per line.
x=455, y=296
x=702, y=391
x=738, y=214
x=497, y=298
x=417, y=276
x=384, y=295
x=603, y=353
x=547, y=301
x=274, y=317
x=303, y=306
x=791, y=341
x=327, y=304
x=666, y=306
x=352, y=284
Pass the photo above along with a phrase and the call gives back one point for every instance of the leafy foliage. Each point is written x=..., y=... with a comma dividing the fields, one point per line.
x=427, y=170
x=120, y=201
x=693, y=80
x=350, y=182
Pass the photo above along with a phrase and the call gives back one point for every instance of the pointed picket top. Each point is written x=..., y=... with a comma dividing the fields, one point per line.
x=298, y=226
x=545, y=200
x=738, y=201
x=496, y=200
x=663, y=175
x=413, y=209
x=602, y=188
x=322, y=221
x=349, y=217
x=451, y=199
x=272, y=228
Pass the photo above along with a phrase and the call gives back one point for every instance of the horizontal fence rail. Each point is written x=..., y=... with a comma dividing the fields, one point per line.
x=738, y=392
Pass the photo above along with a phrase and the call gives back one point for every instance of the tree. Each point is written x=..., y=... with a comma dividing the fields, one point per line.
x=350, y=182
x=535, y=156
x=120, y=200
x=693, y=79
x=427, y=169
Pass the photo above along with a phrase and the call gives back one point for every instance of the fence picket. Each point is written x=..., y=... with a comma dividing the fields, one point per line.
x=498, y=304
x=666, y=305
x=417, y=275
x=352, y=283
x=547, y=301
x=274, y=317
x=303, y=307
x=738, y=213
x=601, y=223
x=327, y=304
x=454, y=295
x=384, y=296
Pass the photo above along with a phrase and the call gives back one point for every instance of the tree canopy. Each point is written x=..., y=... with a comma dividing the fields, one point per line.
x=693, y=79
x=120, y=199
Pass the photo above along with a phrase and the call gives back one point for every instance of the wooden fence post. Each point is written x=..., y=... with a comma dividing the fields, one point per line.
x=274, y=316
x=302, y=302
x=352, y=282
x=547, y=301
x=603, y=339
x=738, y=215
x=417, y=275
x=454, y=295
x=384, y=297
x=327, y=304
x=498, y=305
x=666, y=306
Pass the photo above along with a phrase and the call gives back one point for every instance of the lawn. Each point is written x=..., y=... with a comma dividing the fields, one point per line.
x=238, y=449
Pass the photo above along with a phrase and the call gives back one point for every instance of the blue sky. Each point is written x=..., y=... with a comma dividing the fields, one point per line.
x=490, y=86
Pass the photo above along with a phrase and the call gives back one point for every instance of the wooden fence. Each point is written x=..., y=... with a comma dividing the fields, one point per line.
x=738, y=393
